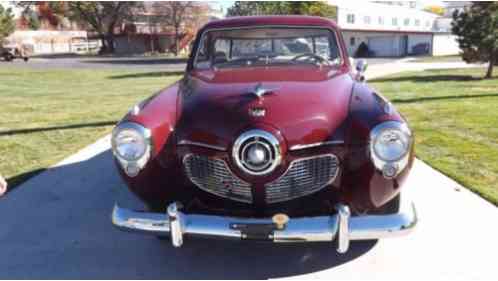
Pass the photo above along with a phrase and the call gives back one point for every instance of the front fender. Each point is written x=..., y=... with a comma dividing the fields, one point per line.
x=365, y=185
x=159, y=114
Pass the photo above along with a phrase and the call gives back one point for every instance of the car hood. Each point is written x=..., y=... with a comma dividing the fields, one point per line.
x=305, y=104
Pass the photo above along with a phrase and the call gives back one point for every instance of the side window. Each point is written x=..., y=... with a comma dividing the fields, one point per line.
x=202, y=58
x=202, y=54
x=221, y=50
x=322, y=46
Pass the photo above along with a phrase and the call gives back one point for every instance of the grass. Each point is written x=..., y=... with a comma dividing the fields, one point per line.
x=46, y=116
x=450, y=58
x=455, y=118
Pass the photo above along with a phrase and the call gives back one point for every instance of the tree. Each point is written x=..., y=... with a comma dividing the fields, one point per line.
x=256, y=8
x=477, y=33
x=438, y=10
x=175, y=14
x=103, y=16
x=7, y=25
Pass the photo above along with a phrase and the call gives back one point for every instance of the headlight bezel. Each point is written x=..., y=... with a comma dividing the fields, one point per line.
x=384, y=164
x=132, y=166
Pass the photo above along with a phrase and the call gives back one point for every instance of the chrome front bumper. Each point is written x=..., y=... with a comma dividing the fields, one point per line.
x=341, y=226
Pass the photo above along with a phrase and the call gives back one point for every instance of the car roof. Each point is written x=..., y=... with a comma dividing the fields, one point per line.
x=271, y=20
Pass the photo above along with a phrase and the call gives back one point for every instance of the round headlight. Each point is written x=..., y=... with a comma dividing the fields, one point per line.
x=391, y=144
x=131, y=144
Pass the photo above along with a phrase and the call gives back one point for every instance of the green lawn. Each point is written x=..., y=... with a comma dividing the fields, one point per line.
x=455, y=118
x=48, y=115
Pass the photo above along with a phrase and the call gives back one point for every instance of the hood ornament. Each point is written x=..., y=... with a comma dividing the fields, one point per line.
x=260, y=90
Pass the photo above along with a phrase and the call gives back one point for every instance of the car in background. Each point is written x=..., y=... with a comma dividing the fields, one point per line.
x=9, y=52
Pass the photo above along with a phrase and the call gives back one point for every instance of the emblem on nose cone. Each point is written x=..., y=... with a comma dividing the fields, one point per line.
x=257, y=112
x=256, y=155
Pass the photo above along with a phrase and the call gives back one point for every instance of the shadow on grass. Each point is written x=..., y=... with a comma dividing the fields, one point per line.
x=424, y=79
x=139, y=61
x=455, y=97
x=148, y=74
x=66, y=127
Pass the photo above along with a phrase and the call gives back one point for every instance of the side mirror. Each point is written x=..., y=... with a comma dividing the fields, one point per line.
x=361, y=67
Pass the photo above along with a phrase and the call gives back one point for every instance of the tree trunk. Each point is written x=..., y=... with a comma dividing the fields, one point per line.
x=103, y=49
x=110, y=43
x=489, y=73
x=176, y=41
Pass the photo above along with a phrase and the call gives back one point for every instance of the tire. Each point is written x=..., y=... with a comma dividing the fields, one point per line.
x=26, y=59
x=8, y=57
x=163, y=239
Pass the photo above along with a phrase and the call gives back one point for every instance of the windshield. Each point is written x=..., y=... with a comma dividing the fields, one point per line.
x=267, y=47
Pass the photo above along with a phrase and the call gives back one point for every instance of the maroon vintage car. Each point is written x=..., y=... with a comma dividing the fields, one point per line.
x=270, y=135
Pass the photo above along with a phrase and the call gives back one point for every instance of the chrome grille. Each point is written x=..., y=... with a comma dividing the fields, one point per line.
x=212, y=175
x=303, y=177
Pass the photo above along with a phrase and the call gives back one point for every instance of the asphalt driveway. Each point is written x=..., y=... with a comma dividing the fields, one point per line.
x=96, y=62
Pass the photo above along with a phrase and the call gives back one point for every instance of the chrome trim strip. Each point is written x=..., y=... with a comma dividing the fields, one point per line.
x=306, y=146
x=201, y=144
x=306, y=229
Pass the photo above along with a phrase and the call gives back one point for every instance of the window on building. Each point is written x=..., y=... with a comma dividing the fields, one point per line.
x=366, y=19
x=352, y=41
x=395, y=21
x=428, y=23
x=407, y=22
x=350, y=18
x=381, y=20
x=417, y=22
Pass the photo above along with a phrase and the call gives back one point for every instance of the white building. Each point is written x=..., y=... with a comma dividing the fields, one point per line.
x=54, y=40
x=391, y=30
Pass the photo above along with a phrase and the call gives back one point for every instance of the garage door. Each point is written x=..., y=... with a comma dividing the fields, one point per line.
x=383, y=46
